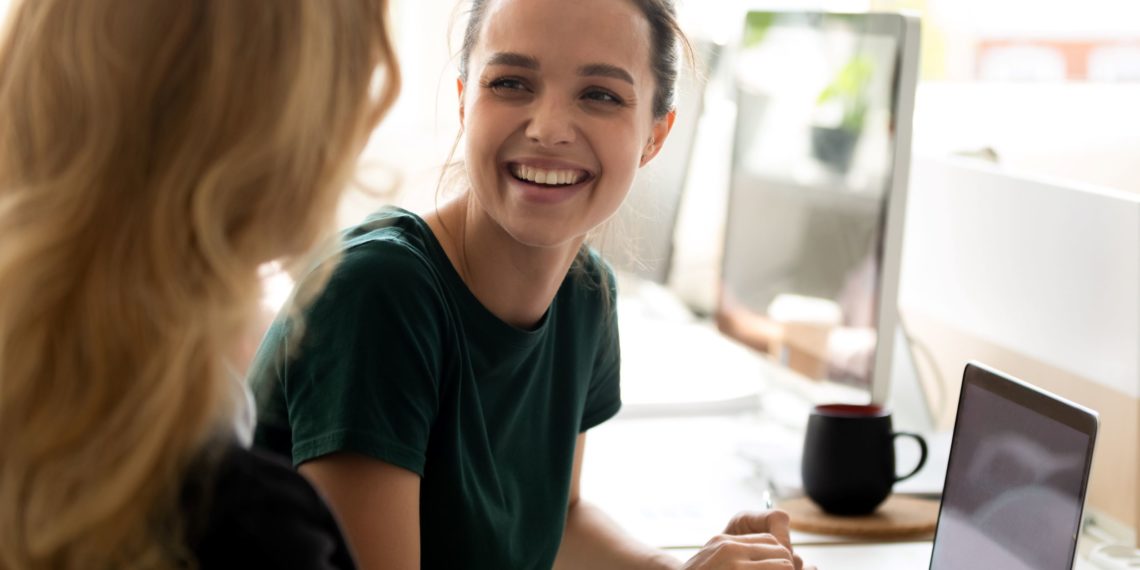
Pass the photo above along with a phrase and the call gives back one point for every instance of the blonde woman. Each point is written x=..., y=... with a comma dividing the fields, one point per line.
x=154, y=154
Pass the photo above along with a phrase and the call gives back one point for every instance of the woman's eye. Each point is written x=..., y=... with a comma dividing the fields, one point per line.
x=602, y=97
x=506, y=85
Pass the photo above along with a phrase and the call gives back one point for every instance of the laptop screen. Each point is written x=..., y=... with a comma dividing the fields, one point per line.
x=1016, y=479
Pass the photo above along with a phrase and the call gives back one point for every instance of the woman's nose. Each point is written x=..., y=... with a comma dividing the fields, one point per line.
x=551, y=124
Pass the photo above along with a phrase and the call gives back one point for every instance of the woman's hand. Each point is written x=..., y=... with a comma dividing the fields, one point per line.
x=760, y=540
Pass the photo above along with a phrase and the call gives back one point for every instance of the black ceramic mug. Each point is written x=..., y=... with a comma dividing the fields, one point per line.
x=849, y=458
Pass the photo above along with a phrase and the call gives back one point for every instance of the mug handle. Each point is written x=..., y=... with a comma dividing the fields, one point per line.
x=921, y=454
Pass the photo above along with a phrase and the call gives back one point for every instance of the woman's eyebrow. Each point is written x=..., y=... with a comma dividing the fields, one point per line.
x=605, y=70
x=513, y=59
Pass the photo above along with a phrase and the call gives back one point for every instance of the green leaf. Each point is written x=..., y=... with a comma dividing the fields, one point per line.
x=756, y=26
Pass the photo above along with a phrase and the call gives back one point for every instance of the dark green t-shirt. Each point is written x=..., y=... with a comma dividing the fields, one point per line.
x=399, y=361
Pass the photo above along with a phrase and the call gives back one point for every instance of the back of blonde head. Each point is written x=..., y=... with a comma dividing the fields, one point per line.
x=153, y=154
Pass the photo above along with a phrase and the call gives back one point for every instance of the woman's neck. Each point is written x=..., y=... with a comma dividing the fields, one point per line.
x=515, y=281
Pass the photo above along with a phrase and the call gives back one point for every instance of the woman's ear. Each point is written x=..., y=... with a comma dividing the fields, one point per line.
x=660, y=131
x=459, y=88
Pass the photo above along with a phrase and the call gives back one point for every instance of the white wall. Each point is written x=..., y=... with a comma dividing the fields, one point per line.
x=1040, y=18
x=1084, y=132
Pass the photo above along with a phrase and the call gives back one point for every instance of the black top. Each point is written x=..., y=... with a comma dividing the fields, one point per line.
x=252, y=510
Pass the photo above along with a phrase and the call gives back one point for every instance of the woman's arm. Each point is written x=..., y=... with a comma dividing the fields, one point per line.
x=377, y=505
x=592, y=540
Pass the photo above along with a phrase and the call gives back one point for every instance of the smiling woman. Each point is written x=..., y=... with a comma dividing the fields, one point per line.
x=442, y=388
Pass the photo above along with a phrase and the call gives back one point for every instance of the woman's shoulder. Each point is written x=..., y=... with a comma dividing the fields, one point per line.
x=392, y=241
x=252, y=508
x=391, y=229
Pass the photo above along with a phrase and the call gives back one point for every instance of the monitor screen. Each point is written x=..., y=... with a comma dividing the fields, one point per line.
x=823, y=116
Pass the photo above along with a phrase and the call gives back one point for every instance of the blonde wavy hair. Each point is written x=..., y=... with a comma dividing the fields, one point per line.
x=154, y=154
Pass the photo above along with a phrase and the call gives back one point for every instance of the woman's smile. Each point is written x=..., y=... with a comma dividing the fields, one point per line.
x=546, y=181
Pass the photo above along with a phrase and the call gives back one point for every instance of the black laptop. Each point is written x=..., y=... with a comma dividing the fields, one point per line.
x=1017, y=477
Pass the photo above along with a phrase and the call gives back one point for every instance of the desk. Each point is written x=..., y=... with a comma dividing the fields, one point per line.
x=679, y=460
x=675, y=482
x=888, y=556
x=908, y=555
x=672, y=476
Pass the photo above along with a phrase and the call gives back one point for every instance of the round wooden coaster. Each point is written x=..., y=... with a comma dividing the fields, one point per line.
x=897, y=517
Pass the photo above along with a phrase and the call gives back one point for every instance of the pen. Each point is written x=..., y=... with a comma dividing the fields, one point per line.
x=768, y=500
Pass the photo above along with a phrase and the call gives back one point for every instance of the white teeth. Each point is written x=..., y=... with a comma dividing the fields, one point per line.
x=540, y=176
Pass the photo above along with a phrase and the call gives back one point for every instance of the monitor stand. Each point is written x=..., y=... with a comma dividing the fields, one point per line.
x=908, y=398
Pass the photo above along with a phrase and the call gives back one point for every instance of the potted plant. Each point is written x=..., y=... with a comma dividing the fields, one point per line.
x=841, y=110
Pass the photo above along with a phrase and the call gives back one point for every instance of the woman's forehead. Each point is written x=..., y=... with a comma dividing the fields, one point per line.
x=571, y=32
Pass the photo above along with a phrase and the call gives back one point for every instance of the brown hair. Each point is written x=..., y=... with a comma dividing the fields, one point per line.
x=153, y=155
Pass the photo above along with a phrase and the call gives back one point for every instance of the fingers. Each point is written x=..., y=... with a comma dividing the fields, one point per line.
x=779, y=525
x=753, y=550
x=748, y=547
x=759, y=539
x=774, y=522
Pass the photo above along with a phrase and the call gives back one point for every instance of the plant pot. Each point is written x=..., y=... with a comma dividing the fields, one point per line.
x=834, y=147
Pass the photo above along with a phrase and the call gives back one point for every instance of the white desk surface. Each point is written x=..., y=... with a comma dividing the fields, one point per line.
x=674, y=482
x=903, y=555
x=864, y=556
x=673, y=476
x=680, y=460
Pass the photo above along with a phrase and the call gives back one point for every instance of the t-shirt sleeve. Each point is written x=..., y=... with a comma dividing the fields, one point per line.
x=603, y=398
x=366, y=375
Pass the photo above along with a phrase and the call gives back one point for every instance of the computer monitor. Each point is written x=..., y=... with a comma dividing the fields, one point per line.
x=817, y=191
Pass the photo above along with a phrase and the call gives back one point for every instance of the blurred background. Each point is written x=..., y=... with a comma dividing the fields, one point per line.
x=1049, y=86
